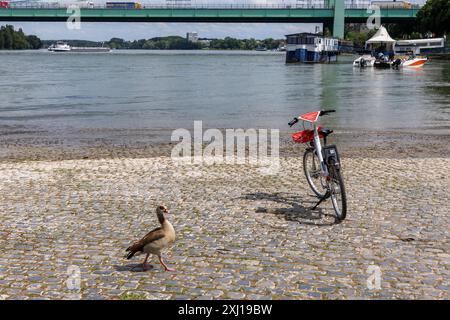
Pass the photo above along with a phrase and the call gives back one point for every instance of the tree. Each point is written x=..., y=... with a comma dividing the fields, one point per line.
x=34, y=42
x=17, y=40
x=434, y=16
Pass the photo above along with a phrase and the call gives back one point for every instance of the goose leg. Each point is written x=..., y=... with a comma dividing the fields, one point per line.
x=164, y=265
x=144, y=265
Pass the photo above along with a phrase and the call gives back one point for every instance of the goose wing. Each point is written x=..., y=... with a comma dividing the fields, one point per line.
x=153, y=235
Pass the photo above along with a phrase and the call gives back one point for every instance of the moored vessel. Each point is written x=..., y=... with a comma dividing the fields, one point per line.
x=311, y=48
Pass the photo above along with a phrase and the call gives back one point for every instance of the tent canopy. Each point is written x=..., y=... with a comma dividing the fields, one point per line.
x=381, y=36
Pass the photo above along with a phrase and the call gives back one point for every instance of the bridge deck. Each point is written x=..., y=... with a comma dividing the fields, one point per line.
x=202, y=15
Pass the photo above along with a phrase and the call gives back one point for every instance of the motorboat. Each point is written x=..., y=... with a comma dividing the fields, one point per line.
x=366, y=60
x=414, y=62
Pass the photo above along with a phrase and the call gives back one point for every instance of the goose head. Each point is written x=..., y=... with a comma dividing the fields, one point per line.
x=160, y=211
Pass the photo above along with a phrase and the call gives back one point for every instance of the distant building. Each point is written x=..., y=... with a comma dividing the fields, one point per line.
x=192, y=36
x=178, y=3
x=357, y=4
x=205, y=42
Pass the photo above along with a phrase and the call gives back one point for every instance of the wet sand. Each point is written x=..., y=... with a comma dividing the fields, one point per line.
x=20, y=144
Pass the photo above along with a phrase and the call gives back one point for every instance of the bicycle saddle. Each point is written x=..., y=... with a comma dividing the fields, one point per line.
x=325, y=131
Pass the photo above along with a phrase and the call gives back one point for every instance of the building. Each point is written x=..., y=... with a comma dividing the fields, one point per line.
x=310, y=47
x=357, y=4
x=178, y=3
x=192, y=36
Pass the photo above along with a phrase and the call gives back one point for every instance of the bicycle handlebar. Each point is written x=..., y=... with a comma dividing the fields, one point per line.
x=292, y=122
x=325, y=112
x=322, y=113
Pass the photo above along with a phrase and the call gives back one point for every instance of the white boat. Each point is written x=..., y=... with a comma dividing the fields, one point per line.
x=64, y=47
x=366, y=60
x=415, y=62
x=59, y=47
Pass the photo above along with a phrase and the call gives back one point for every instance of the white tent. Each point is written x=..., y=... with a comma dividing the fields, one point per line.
x=381, y=36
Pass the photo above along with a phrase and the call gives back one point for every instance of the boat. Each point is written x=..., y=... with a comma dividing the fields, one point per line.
x=386, y=54
x=366, y=59
x=311, y=48
x=60, y=46
x=258, y=48
x=414, y=62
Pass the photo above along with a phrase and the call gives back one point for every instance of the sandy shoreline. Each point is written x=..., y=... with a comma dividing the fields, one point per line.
x=21, y=145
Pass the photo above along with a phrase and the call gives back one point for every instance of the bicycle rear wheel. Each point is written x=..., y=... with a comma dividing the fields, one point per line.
x=337, y=192
x=311, y=167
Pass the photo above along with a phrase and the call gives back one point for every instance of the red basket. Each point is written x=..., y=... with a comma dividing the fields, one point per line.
x=305, y=136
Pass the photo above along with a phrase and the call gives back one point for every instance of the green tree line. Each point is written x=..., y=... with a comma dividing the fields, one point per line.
x=180, y=43
x=11, y=39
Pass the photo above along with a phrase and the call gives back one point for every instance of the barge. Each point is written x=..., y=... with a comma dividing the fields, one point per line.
x=311, y=48
x=64, y=47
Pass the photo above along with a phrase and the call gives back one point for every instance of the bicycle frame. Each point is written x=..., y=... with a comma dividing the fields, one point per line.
x=318, y=148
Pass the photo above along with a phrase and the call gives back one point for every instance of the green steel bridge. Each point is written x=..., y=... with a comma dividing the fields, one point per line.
x=333, y=15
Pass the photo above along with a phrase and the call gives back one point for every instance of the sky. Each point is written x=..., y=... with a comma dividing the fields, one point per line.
x=133, y=31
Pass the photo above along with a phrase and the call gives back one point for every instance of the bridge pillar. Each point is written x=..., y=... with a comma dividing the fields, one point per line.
x=339, y=18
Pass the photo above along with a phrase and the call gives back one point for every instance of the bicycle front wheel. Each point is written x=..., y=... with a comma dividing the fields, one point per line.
x=337, y=192
x=311, y=167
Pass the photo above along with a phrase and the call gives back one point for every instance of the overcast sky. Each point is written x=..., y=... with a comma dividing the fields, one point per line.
x=132, y=31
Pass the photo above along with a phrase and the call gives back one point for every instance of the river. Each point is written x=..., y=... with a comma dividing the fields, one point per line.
x=158, y=91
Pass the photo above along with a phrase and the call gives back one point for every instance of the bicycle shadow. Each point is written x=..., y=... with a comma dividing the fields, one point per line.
x=299, y=210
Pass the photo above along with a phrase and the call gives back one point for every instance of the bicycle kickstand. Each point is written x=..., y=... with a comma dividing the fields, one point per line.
x=325, y=197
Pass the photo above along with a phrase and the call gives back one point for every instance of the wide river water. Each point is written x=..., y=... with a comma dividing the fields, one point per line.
x=160, y=90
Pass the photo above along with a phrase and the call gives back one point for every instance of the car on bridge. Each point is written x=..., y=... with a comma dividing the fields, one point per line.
x=4, y=4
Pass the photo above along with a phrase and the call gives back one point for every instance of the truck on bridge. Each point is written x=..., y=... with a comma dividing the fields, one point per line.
x=123, y=5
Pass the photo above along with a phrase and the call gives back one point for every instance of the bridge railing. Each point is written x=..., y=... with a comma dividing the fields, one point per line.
x=57, y=5
x=50, y=5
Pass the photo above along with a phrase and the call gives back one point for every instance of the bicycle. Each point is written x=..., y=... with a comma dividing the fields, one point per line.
x=321, y=164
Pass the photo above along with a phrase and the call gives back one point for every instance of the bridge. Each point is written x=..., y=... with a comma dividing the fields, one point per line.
x=332, y=14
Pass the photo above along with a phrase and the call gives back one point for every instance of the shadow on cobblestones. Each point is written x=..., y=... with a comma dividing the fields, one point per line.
x=133, y=267
x=299, y=210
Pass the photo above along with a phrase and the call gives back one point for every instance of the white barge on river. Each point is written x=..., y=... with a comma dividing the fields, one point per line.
x=311, y=48
x=64, y=47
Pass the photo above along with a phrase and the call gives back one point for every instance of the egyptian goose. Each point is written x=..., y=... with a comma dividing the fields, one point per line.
x=155, y=241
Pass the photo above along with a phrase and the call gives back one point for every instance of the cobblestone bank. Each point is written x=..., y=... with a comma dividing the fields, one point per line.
x=241, y=234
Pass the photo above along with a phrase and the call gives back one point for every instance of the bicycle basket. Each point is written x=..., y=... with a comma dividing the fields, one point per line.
x=304, y=136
